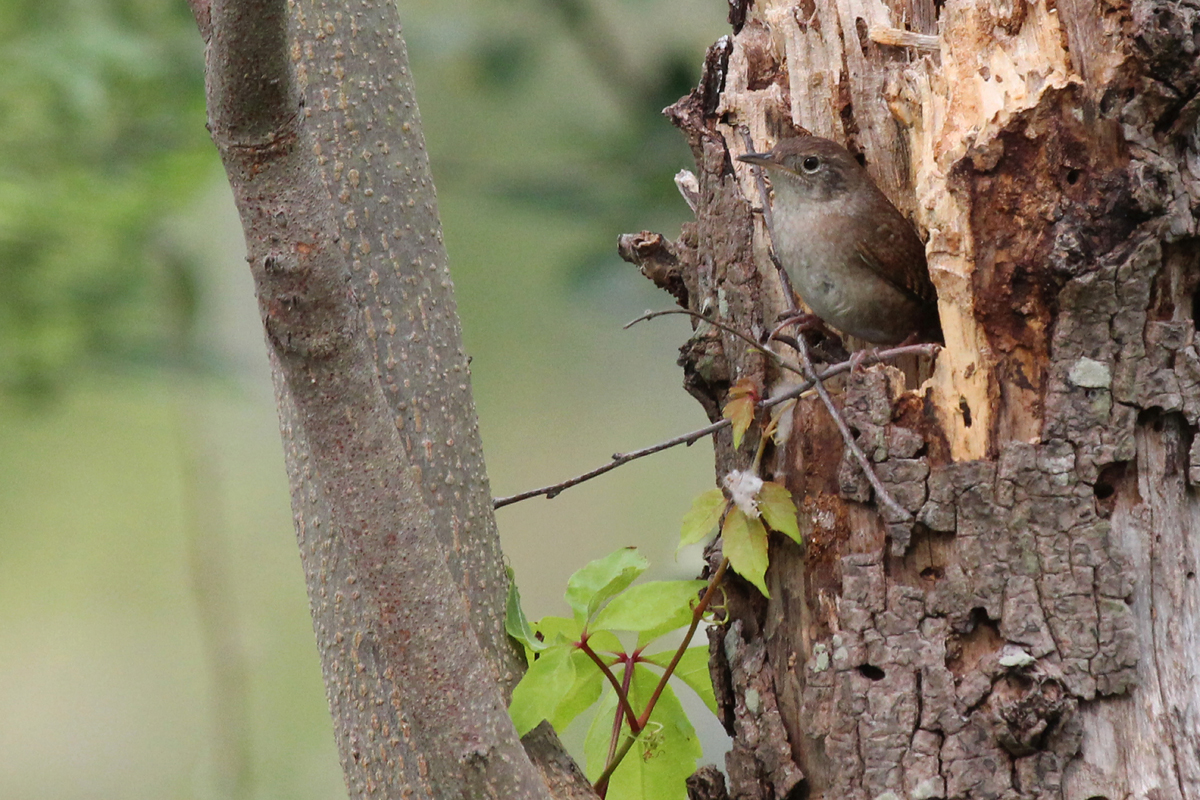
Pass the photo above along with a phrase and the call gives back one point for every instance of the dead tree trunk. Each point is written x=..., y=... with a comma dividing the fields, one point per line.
x=1035, y=632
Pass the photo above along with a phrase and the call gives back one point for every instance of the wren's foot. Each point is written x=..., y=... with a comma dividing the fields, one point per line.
x=803, y=322
x=860, y=356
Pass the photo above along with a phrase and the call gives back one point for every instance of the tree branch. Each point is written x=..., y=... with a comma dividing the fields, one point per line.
x=619, y=459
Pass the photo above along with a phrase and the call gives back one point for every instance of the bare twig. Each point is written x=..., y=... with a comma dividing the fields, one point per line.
x=619, y=459
x=883, y=495
x=779, y=361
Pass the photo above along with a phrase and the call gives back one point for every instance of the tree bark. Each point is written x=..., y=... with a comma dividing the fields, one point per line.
x=316, y=123
x=1033, y=633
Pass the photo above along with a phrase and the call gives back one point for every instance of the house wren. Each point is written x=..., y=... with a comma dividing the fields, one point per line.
x=852, y=256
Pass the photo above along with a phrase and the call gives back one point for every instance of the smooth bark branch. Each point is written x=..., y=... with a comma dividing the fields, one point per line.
x=419, y=711
x=361, y=110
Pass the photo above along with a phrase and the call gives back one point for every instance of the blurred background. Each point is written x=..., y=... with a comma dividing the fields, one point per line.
x=155, y=640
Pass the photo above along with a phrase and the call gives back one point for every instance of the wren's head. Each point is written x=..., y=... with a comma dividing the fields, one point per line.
x=810, y=168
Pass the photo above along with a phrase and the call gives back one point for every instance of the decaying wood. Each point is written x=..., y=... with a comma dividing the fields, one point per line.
x=1034, y=634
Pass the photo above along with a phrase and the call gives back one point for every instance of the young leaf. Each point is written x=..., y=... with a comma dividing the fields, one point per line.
x=596, y=582
x=651, y=608
x=589, y=680
x=692, y=669
x=515, y=621
x=703, y=516
x=739, y=411
x=744, y=543
x=549, y=680
x=658, y=765
x=775, y=503
x=558, y=630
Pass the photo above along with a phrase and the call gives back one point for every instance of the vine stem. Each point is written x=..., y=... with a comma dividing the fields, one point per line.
x=622, y=694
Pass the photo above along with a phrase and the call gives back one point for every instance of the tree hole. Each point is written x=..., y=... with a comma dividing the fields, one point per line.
x=860, y=27
x=1073, y=177
x=1105, y=488
x=932, y=573
x=965, y=410
x=1196, y=309
x=1191, y=576
x=871, y=672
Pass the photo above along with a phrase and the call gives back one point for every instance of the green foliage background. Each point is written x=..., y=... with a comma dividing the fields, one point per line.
x=140, y=469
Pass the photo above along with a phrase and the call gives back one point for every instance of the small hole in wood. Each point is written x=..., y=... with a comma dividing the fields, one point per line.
x=871, y=672
x=1191, y=576
x=1073, y=177
x=1105, y=488
x=965, y=410
x=1196, y=309
x=1097, y=797
x=860, y=27
x=932, y=573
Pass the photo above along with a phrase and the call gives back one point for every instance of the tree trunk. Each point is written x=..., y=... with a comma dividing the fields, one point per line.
x=1034, y=633
x=316, y=123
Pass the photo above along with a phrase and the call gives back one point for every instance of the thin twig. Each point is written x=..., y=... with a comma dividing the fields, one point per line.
x=881, y=493
x=620, y=459
x=778, y=359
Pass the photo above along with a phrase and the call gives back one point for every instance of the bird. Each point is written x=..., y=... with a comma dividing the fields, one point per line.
x=853, y=258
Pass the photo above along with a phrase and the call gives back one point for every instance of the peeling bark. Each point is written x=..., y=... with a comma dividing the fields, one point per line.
x=1034, y=632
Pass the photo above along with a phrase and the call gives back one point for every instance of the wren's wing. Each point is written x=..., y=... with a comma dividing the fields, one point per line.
x=896, y=254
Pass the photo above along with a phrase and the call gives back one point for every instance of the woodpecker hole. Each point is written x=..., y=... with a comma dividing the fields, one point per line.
x=871, y=672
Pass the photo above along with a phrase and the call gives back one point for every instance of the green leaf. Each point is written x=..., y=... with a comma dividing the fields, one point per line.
x=651, y=608
x=547, y=683
x=744, y=543
x=776, y=505
x=559, y=630
x=596, y=582
x=692, y=669
x=605, y=642
x=584, y=692
x=702, y=517
x=515, y=621
x=660, y=762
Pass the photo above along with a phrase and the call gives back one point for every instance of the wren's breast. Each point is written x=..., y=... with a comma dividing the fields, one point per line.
x=833, y=280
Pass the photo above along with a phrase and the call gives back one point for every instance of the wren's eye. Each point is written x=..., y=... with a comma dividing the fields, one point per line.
x=811, y=164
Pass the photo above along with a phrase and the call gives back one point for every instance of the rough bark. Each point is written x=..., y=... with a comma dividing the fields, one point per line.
x=1033, y=633
x=391, y=502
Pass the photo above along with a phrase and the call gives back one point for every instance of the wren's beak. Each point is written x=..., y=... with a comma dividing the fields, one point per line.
x=761, y=159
